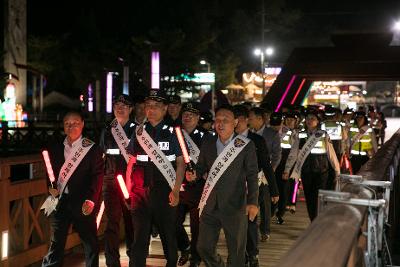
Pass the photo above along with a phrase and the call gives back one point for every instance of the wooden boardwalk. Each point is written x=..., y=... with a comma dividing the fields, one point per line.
x=282, y=237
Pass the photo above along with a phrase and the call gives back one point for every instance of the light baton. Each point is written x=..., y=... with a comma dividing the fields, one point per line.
x=296, y=187
x=122, y=185
x=49, y=168
x=100, y=214
x=182, y=144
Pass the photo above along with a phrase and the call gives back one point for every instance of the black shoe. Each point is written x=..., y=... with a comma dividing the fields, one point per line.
x=194, y=264
x=184, y=258
x=265, y=237
x=279, y=220
x=253, y=261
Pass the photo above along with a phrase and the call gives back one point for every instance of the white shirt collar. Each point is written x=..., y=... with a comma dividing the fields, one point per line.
x=73, y=143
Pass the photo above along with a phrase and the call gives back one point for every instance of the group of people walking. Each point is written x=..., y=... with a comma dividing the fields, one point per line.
x=235, y=176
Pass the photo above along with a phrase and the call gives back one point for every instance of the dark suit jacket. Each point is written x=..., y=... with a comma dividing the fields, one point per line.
x=263, y=162
x=86, y=181
x=230, y=195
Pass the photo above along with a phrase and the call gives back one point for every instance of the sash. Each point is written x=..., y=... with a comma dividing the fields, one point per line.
x=66, y=171
x=304, y=152
x=120, y=138
x=156, y=155
x=357, y=137
x=194, y=151
x=221, y=163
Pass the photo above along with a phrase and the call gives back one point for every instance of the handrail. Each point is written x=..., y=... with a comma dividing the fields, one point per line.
x=334, y=238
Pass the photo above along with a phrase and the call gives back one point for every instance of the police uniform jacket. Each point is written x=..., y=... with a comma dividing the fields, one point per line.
x=146, y=173
x=114, y=160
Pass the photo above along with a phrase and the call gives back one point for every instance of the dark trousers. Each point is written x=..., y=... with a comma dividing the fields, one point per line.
x=115, y=208
x=264, y=200
x=61, y=219
x=252, y=239
x=312, y=182
x=182, y=236
x=152, y=206
x=357, y=161
x=283, y=188
x=235, y=230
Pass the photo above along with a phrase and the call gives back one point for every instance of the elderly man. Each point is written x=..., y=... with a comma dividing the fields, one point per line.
x=230, y=194
x=80, y=166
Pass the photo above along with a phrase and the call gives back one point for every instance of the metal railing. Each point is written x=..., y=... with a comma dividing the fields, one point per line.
x=24, y=229
x=358, y=225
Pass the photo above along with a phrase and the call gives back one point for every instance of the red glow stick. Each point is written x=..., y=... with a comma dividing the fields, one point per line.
x=182, y=144
x=100, y=214
x=49, y=168
x=296, y=187
x=122, y=186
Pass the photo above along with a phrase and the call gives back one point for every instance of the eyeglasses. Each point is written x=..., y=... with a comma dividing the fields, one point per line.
x=121, y=106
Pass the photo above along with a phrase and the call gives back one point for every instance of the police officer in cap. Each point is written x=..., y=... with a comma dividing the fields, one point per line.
x=191, y=191
x=173, y=117
x=156, y=170
x=115, y=164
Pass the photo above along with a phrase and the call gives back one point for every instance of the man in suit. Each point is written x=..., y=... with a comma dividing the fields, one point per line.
x=228, y=161
x=273, y=141
x=265, y=168
x=79, y=194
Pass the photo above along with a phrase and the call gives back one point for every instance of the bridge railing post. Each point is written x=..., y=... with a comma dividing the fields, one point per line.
x=4, y=211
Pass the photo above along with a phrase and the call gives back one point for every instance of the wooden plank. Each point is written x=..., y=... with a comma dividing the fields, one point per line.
x=29, y=256
x=27, y=189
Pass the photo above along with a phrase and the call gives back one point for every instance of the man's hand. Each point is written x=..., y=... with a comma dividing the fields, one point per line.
x=174, y=198
x=87, y=207
x=251, y=211
x=285, y=176
x=191, y=176
x=274, y=199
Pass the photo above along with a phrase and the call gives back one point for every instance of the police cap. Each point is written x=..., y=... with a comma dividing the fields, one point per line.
x=276, y=119
x=193, y=107
x=174, y=99
x=157, y=95
x=124, y=99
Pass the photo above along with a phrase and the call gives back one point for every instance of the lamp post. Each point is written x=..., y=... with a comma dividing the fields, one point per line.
x=263, y=54
x=203, y=62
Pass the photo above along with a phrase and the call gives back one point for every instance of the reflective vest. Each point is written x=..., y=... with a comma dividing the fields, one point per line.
x=364, y=144
x=319, y=147
x=285, y=143
x=334, y=129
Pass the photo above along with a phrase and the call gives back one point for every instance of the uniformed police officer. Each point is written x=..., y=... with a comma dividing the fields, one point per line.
x=312, y=163
x=115, y=164
x=362, y=141
x=154, y=191
x=191, y=192
x=173, y=117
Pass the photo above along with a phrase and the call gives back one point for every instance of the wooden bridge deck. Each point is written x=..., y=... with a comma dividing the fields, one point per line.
x=282, y=237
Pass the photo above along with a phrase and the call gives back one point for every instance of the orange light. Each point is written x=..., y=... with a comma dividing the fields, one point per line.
x=49, y=169
x=100, y=214
x=182, y=144
x=122, y=186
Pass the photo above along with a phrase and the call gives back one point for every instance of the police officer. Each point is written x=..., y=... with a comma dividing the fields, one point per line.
x=173, y=117
x=190, y=192
x=139, y=110
x=333, y=127
x=115, y=164
x=362, y=141
x=289, y=136
x=313, y=164
x=154, y=188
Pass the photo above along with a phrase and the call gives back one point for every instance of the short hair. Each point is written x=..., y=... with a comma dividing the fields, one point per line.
x=74, y=113
x=266, y=107
x=225, y=107
x=258, y=111
x=241, y=110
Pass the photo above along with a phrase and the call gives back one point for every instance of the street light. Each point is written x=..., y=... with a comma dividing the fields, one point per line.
x=396, y=26
x=203, y=62
x=269, y=51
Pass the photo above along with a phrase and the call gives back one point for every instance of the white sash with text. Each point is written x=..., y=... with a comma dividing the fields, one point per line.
x=194, y=151
x=120, y=138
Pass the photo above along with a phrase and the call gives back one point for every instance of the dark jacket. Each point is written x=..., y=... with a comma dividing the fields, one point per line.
x=230, y=194
x=86, y=181
x=263, y=162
